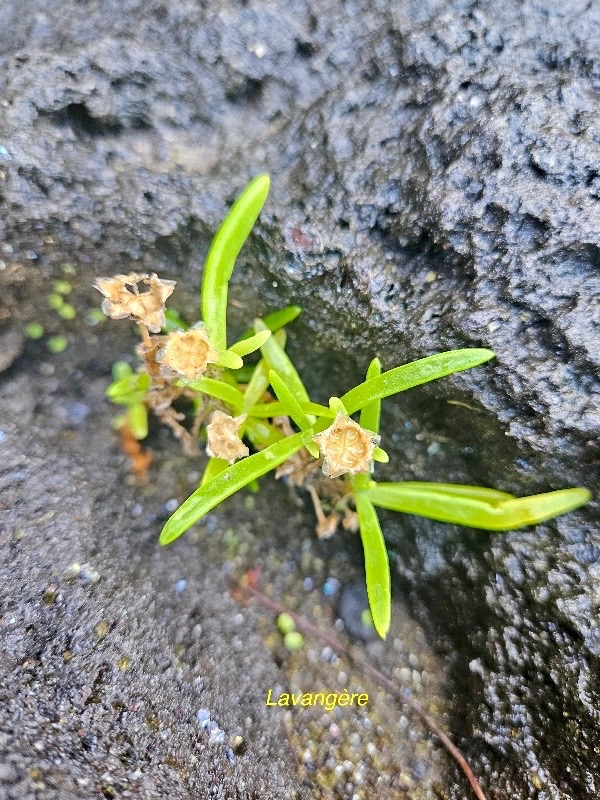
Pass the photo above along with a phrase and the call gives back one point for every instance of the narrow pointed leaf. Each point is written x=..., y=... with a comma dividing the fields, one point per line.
x=257, y=385
x=230, y=360
x=370, y=414
x=278, y=360
x=377, y=568
x=213, y=467
x=380, y=455
x=261, y=433
x=417, y=372
x=173, y=321
x=223, y=252
x=246, y=346
x=267, y=410
x=474, y=506
x=276, y=320
x=129, y=389
x=222, y=391
x=492, y=496
x=137, y=418
x=225, y=484
x=291, y=406
x=309, y=444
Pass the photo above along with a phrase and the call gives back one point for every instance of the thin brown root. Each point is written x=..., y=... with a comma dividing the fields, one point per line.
x=381, y=680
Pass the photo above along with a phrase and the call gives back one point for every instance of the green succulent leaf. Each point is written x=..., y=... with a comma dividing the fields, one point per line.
x=291, y=406
x=279, y=361
x=379, y=454
x=371, y=413
x=173, y=322
x=474, y=506
x=246, y=346
x=276, y=320
x=223, y=252
x=257, y=386
x=230, y=359
x=121, y=369
x=137, y=419
x=267, y=410
x=221, y=390
x=276, y=409
x=213, y=467
x=377, y=566
x=413, y=374
x=130, y=389
x=261, y=433
x=226, y=483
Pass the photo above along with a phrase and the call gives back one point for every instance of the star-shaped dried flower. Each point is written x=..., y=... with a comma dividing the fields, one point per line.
x=346, y=447
x=187, y=354
x=223, y=439
x=123, y=299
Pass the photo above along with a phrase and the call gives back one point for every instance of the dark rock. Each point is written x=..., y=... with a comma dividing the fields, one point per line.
x=435, y=184
x=104, y=664
x=352, y=603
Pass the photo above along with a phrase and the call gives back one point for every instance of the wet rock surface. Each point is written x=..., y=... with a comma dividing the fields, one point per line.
x=108, y=656
x=434, y=185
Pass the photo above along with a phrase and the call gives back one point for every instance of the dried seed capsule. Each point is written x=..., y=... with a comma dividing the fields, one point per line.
x=123, y=300
x=223, y=439
x=346, y=447
x=187, y=354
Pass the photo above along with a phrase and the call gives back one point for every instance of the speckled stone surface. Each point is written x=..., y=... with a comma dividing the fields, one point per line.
x=435, y=185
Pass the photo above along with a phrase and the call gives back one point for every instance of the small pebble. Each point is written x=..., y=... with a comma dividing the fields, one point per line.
x=203, y=717
x=180, y=585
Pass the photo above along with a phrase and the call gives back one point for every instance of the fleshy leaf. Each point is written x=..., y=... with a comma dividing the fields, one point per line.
x=223, y=252
x=379, y=454
x=377, y=568
x=137, y=419
x=226, y=483
x=230, y=359
x=257, y=386
x=129, y=389
x=370, y=414
x=173, y=321
x=417, y=372
x=265, y=410
x=246, y=346
x=474, y=506
x=278, y=360
x=212, y=469
x=261, y=433
x=276, y=320
x=222, y=391
x=291, y=406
